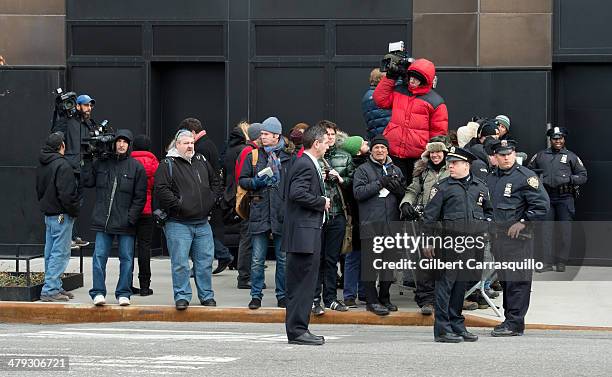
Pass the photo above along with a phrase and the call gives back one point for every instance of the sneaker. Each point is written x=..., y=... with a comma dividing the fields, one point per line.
x=58, y=297
x=255, y=303
x=427, y=309
x=337, y=306
x=70, y=295
x=351, y=303
x=317, y=309
x=209, y=302
x=124, y=301
x=469, y=305
x=99, y=300
x=181, y=304
x=80, y=243
x=282, y=303
x=491, y=293
x=74, y=246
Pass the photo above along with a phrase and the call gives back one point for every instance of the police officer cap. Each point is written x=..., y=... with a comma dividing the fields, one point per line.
x=557, y=132
x=459, y=154
x=503, y=146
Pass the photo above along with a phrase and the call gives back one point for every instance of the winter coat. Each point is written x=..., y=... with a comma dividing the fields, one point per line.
x=425, y=177
x=342, y=162
x=206, y=147
x=268, y=203
x=56, y=184
x=121, y=192
x=150, y=164
x=416, y=116
x=376, y=118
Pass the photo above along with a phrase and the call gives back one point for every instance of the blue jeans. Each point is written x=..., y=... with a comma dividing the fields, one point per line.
x=352, y=276
x=258, y=259
x=195, y=241
x=104, y=242
x=57, y=252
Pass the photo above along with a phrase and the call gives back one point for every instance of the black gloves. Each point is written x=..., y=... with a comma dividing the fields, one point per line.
x=407, y=212
x=396, y=187
x=384, y=181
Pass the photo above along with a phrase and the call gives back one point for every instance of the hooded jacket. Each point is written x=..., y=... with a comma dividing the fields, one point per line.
x=56, y=184
x=150, y=164
x=121, y=190
x=416, y=116
x=425, y=178
x=376, y=118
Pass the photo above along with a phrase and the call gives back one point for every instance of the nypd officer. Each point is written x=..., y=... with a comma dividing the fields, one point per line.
x=518, y=199
x=562, y=173
x=462, y=204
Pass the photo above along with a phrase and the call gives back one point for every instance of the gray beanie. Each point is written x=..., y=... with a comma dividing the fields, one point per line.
x=272, y=125
x=254, y=131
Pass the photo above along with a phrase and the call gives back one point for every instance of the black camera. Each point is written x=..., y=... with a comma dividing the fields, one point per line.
x=65, y=103
x=101, y=143
x=397, y=61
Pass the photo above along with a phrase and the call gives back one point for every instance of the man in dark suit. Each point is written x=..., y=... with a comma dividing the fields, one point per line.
x=304, y=218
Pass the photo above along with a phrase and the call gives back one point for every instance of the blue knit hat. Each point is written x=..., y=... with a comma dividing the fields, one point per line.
x=273, y=125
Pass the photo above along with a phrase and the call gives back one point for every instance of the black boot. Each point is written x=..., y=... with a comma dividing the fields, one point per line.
x=144, y=288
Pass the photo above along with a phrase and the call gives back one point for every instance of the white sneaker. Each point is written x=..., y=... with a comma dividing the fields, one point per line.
x=99, y=300
x=124, y=301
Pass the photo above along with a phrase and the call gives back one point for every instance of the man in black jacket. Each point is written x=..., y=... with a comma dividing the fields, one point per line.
x=59, y=199
x=121, y=194
x=187, y=188
x=305, y=214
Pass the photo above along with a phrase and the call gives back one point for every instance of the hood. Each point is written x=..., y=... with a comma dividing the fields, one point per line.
x=48, y=155
x=479, y=151
x=427, y=70
x=466, y=133
x=236, y=138
x=173, y=152
x=125, y=134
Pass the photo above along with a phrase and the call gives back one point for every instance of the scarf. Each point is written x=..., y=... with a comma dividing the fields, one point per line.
x=274, y=162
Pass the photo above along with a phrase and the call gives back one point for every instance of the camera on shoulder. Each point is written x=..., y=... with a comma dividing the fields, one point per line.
x=397, y=61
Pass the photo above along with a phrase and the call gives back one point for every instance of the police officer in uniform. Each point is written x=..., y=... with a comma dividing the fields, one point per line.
x=462, y=204
x=562, y=173
x=518, y=198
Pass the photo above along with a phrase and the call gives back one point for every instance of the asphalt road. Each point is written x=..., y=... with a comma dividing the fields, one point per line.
x=240, y=349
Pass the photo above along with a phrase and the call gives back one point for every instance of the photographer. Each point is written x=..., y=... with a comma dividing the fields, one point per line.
x=428, y=171
x=378, y=186
x=121, y=194
x=79, y=128
x=418, y=113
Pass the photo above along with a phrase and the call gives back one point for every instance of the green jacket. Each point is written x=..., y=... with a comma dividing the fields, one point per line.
x=342, y=162
x=425, y=177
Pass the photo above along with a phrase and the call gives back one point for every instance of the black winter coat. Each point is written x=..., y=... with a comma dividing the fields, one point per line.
x=56, y=184
x=121, y=193
x=76, y=132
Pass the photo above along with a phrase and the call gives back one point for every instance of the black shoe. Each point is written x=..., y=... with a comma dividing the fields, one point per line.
x=181, y=304
x=317, y=336
x=496, y=286
x=560, y=267
x=427, y=309
x=282, y=303
x=491, y=293
x=449, y=338
x=317, y=309
x=255, y=303
x=377, y=309
x=222, y=265
x=351, y=303
x=135, y=290
x=337, y=306
x=468, y=336
x=146, y=291
x=503, y=330
x=246, y=285
x=391, y=307
x=209, y=302
x=307, y=339
x=546, y=268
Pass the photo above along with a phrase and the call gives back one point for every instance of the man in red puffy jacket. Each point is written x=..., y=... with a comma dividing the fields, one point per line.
x=144, y=226
x=418, y=113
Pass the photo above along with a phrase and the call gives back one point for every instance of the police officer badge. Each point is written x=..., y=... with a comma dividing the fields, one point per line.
x=480, y=198
x=533, y=182
x=564, y=159
x=433, y=192
x=508, y=190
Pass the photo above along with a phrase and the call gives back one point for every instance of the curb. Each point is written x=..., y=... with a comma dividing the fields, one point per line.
x=50, y=313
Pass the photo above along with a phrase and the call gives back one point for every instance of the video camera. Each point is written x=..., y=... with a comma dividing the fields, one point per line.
x=101, y=143
x=397, y=61
x=65, y=103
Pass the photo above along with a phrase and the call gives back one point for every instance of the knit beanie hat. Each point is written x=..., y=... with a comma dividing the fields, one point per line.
x=142, y=143
x=273, y=125
x=379, y=139
x=504, y=121
x=254, y=131
x=296, y=137
x=467, y=133
x=352, y=145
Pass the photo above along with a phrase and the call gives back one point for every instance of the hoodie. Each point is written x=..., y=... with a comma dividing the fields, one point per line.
x=56, y=184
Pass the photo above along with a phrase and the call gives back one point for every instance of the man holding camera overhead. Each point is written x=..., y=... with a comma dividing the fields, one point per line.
x=418, y=113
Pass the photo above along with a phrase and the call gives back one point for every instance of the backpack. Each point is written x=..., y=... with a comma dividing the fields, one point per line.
x=243, y=196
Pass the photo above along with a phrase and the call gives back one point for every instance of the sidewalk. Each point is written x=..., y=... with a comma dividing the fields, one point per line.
x=564, y=303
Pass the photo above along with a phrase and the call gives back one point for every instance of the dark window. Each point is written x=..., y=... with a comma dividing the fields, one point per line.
x=122, y=40
x=289, y=40
x=190, y=40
